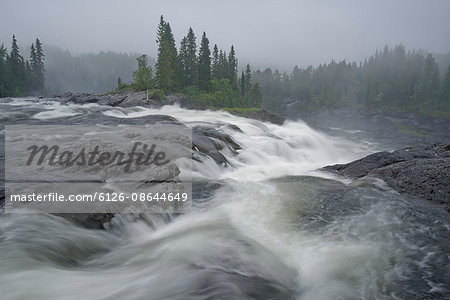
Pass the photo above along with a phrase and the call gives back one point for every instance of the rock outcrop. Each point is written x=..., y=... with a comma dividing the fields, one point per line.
x=420, y=171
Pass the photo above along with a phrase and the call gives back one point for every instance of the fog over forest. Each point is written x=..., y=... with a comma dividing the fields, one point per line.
x=264, y=33
x=89, y=44
x=224, y=149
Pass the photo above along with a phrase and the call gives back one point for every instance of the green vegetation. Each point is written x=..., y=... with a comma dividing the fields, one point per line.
x=208, y=82
x=391, y=80
x=20, y=77
x=142, y=77
x=242, y=110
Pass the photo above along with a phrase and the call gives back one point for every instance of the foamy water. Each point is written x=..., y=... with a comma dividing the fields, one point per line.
x=275, y=227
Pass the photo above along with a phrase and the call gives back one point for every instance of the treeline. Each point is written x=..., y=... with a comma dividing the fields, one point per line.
x=86, y=72
x=207, y=79
x=19, y=76
x=390, y=79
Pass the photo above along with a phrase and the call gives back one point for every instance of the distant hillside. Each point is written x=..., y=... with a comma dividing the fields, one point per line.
x=87, y=72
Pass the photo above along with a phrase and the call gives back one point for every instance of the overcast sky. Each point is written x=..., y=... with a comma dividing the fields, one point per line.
x=276, y=33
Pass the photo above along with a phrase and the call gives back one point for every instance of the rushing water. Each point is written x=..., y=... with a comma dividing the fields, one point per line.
x=269, y=226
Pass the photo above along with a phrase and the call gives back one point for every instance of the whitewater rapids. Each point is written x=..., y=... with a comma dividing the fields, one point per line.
x=268, y=226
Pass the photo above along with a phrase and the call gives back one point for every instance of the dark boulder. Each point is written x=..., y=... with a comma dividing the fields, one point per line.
x=210, y=141
x=421, y=171
x=122, y=99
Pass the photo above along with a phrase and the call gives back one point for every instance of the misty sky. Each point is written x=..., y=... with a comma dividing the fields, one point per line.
x=264, y=33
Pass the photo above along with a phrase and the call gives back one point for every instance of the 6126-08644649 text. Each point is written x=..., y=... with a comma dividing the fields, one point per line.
x=101, y=197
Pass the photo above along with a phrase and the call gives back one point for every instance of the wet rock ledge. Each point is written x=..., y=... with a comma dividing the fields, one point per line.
x=421, y=171
x=128, y=99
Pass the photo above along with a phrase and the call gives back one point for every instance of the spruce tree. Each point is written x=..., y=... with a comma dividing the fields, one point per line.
x=255, y=96
x=28, y=86
x=242, y=83
x=167, y=61
x=223, y=65
x=188, y=59
x=17, y=67
x=215, y=63
x=4, y=72
x=38, y=68
x=33, y=67
x=248, y=79
x=232, y=67
x=204, y=65
x=183, y=62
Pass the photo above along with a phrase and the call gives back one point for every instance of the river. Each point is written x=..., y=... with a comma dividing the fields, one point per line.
x=268, y=226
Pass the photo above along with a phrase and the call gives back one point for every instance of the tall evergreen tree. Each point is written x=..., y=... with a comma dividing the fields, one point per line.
x=242, y=84
x=232, y=67
x=204, y=65
x=4, y=72
x=167, y=61
x=33, y=67
x=248, y=79
x=38, y=68
x=182, y=57
x=223, y=70
x=215, y=64
x=17, y=67
x=188, y=59
x=255, y=96
x=28, y=87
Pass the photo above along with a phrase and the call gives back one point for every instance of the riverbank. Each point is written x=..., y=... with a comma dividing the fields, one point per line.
x=129, y=99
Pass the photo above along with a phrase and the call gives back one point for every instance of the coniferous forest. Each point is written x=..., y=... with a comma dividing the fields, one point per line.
x=20, y=76
x=207, y=79
x=391, y=79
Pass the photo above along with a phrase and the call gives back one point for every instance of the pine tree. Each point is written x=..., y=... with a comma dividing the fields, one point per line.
x=182, y=56
x=188, y=59
x=223, y=70
x=28, y=86
x=232, y=67
x=215, y=64
x=255, y=96
x=248, y=79
x=4, y=72
x=17, y=67
x=38, y=68
x=167, y=61
x=204, y=65
x=33, y=67
x=242, y=84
